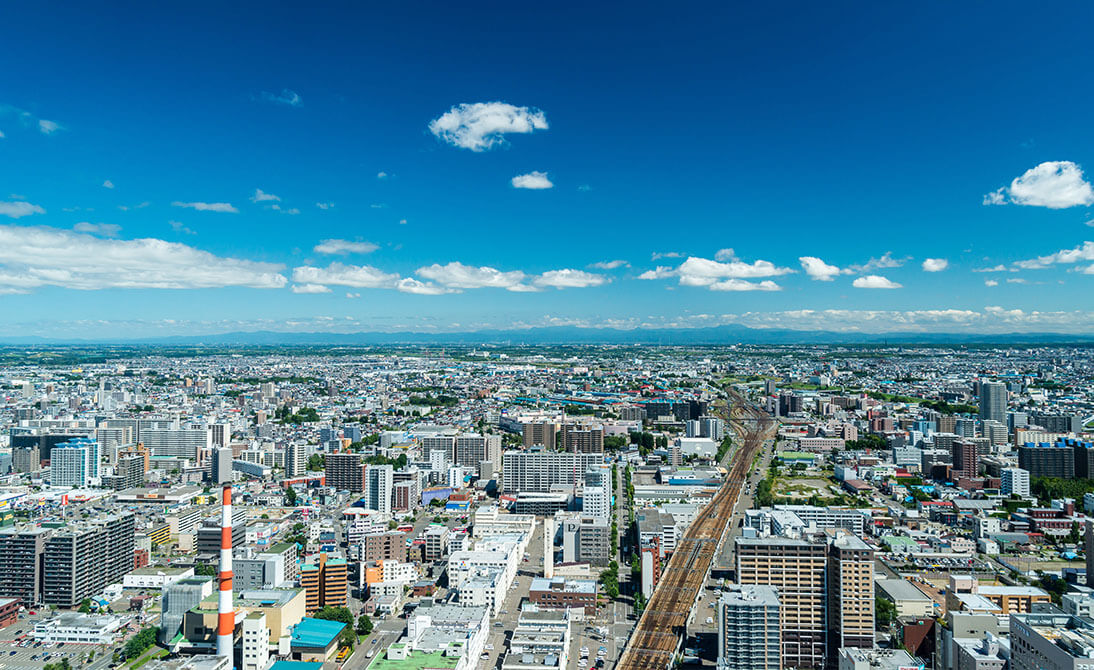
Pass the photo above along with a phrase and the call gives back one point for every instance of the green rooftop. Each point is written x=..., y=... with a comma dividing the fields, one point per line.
x=416, y=660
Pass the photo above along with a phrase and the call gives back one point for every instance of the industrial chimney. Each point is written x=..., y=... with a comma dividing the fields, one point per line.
x=225, y=612
x=549, y=547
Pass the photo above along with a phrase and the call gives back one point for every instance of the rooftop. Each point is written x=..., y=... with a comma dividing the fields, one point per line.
x=415, y=660
x=315, y=633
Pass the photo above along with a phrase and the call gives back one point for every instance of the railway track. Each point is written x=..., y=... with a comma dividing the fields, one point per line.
x=663, y=624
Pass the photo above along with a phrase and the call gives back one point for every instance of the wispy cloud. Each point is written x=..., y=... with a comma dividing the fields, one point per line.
x=483, y=125
x=108, y=184
x=180, y=227
x=325, y=205
x=262, y=196
x=286, y=97
x=458, y=275
x=338, y=274
x=886, y=261
x=105, y=229
x=818, y=270
x=1052, y=184
x=344, y=247
x=208, y=206
x=310, y=288
x=1083, y=252
x=18, y=209
x=610, y=265
x=533, y=180
x=744, y=285
x=48, y=127
x=570, y=279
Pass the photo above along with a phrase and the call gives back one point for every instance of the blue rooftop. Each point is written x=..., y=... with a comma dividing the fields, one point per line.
x=295, y=665
x=315, y=633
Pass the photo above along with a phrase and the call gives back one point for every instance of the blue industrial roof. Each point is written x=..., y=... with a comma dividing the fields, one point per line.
x=296, y=665
x=315, y=633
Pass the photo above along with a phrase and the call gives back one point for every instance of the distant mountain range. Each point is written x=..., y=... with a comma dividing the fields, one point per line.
x=720, y=335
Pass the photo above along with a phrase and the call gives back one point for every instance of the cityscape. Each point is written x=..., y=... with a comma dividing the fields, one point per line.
x=590, y=336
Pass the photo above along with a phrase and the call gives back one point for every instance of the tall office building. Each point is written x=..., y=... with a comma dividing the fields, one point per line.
x=966, y=457
x=296, y=459
x=379, y=480
x=470, y=450
x=1015, y=481
x=80, y=560
x=325, y=583
x=597, y=494
x=21, y=549
x=850, y=595
x=345, y=472
x=993, y=401
x=796, y=568
x=220, y=467
x=749, y=632
x=539, y=471
x=220, y=435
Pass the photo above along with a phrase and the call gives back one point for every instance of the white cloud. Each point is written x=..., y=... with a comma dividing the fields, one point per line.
x=482, y=125
x=658, y=255
x=310, y=288
x=381, y=175
x=278, y=208
x=262, y=196
x=1052, y=184
x=48, y=127
x=744, y=285
x=411, y=285
x=180, y=227
x=338, y=274
x=570, y=279
x=402, y=222
x=532, y=180
x=344, y=247
x=324, y=205
x=874, y=281
x=2, y=135
x=106, y=229
x=610, y=265
x=725, y=255
x=1017, y=280
x=108, y=184
x=935, y=264
x=994, y=268
x=126, y=208
x=285, y=97
x=208, y=206
x=818, y=269
x=458, y=275
x=660, y=272
x=33, y=257
x=353, y=296
x=1084, y=252
x=885, y=262
x=990, y=282
x=19, y=209
x=584, y=188
x=704, y=272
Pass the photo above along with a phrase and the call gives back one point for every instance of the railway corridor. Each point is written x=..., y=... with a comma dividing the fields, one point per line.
x=663, y=624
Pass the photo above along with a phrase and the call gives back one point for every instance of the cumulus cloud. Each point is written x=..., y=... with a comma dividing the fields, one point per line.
x=704, y=272
x=208, y=206
x=935, y=264
x=310, y=288
x=411, y=285
x=874, y=281
x=42, y=256
x=18, y=209
x=745, y=285
x=569, y=279
x=660, y=272
x=458, y=275
x=818, y=269
x=106, y=229
x=344, y=247
x=610, y=265
x=262, y=196
x=338, y=274
x=532, y=180
x=108, y=184
x=886, y=261
x=725, y=255
x=1052, y=184
x=286, y=97
x=483, y=125
x=1083, y=252
x=990, y=282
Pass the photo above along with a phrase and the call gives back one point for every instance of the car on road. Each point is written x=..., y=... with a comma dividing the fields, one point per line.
x=710, y=620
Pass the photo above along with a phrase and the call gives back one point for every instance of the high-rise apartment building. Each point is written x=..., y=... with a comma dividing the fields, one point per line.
x=21, y=549
x=345, y=472
x=582, y=439
x=178, y=443
x=128, y=472
x=993, y=401
x=539, y=471
x=966, y=457
x=540, y=434
x=1047, y=460
x=296, y=459
x=749, y=632
x=81, y=559
x=220, y=435
x=797, y=570
x=325, y=583
x=379, y=480
x=69, y=466
x=470, y=450
x=850, y=594
x=1015, y=481
x=220, y=465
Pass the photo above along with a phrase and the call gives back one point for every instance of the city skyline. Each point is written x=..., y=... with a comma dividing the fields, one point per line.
x=859, y=170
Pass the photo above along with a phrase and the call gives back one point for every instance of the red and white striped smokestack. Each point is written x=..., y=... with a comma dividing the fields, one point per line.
x=225, y=613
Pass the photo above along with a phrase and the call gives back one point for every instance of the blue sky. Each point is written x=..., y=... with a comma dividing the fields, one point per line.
x=337, y=167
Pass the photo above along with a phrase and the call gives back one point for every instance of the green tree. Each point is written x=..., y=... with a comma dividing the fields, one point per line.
x=205, y=570
x=316, y=462
x=364, y=625
x=290, y=496
x=884, y=612
x=85, y=606
x=347, y=638
x=331, y=613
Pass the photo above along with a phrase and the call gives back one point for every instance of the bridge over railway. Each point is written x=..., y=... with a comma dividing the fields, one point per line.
x=660, y=631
